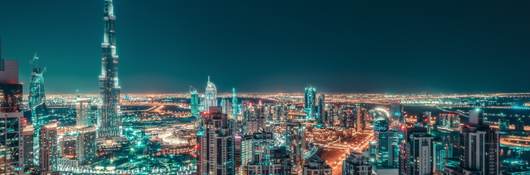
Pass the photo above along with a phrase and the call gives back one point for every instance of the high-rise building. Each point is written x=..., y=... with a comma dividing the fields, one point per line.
x=194, y=103
x=82, y=109
x=254, y=119
x=37, y=102
x=448, y=120
x=10, y=116
x=259, y=156
x=109, y=122
x=86, y=145
x=356, y=164
x=48, y=145
x=480, y=146
x=235, y=104
x=254, y=145
x=216, y=144
x=210, y=95
x=37, y=97
x=320, y=115
x=359, y=118
x=416, y=153
x=310, y=102
x=27, y=146
x=387, y=156
x=446, y=146
x=316, y=166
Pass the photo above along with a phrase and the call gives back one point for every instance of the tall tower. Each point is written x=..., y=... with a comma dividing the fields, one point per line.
x=210, y=95
x=109, y=123
x=37, y=103
x=235, y=105
x=310, y=102
x=320, y=115
x=194, y=103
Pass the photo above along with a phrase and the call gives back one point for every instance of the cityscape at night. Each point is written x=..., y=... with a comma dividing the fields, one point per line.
x=232, y=87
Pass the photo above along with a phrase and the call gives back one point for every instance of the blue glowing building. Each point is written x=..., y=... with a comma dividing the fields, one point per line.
x=235, y=104
x=194, y=103
x=109, y=122
x=387, y=156
x=321, y=113
x=310, y=102
x=37, y=103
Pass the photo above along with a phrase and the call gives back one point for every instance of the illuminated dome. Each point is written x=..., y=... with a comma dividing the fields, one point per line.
x=210, y=87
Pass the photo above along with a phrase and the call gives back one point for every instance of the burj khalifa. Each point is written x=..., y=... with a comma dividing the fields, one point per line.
x=109, y=122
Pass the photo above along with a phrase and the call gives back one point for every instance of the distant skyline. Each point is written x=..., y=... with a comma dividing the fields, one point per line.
x=269, y=46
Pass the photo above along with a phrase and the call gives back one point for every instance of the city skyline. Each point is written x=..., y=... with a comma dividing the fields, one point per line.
x=404, y=116
x=337, y=47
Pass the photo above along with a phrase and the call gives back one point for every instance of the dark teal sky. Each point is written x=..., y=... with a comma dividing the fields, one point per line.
x=278, y=45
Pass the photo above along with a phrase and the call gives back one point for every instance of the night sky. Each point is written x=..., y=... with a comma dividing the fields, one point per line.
x=278, y=45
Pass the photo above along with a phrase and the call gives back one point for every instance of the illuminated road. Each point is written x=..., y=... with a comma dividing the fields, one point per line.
x=335, y=152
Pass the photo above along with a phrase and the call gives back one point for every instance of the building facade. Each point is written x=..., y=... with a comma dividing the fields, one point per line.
x=10, y=116
x=48, y=152
x=216, y=152
x=416, y=153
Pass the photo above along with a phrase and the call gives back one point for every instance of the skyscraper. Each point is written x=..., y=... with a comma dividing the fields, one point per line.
x=27, y=145
x=10, y=115
x=216, y=144
x=48, y=153
x=82, y=110
x=86, y=145
x=310, y=102
x=388, y=149
x=416, y=153
x=109, y=123
x=320, y=115
x=210, y=95
x=235, y=104
x=259, y=156
x=359, y=118
x=194, y=103
x=37, y=97
x=253, y=145
x=480, y=146
x=37, y=102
